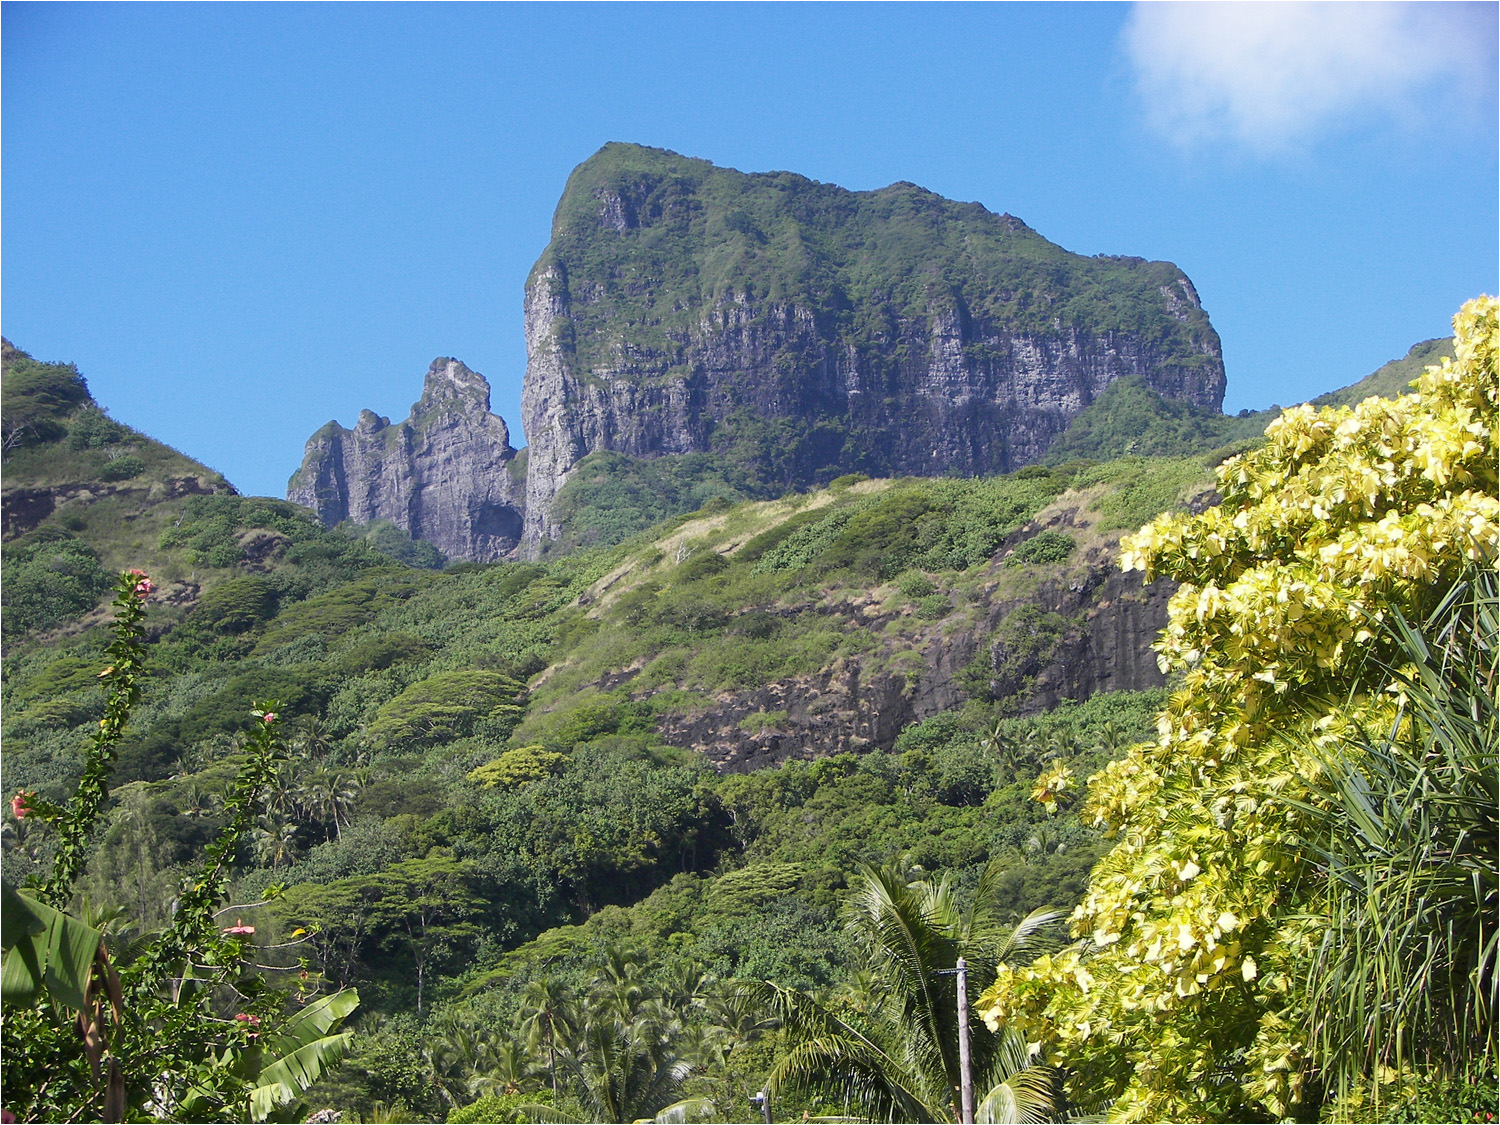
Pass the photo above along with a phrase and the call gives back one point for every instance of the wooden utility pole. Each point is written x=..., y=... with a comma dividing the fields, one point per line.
x=965, y=1070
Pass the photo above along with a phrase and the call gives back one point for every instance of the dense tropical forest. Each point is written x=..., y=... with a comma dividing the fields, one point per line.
x=310, y=826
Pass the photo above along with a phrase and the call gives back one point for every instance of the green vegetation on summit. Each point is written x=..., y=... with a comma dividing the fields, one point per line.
x=652, y=241
x=1391, y=379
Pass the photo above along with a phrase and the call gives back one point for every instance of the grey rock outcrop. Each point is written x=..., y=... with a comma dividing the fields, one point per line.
x=448, y=474
x=890, y=332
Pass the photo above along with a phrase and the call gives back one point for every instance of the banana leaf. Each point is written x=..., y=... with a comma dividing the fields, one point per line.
x=43, y=948
x=307, y=1050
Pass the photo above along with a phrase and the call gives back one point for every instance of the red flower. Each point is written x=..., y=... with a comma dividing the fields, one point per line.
x=246, y=1017
x=20, y=804
x=239, y=928
x=144, y=587
x=268, y=717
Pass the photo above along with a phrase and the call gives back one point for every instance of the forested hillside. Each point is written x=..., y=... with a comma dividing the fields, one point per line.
x=714, y=809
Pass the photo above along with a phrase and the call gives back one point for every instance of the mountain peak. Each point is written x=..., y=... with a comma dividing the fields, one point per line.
x=451, y=382
x=442, y=475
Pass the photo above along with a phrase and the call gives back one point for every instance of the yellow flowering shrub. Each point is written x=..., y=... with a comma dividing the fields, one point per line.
x=1181, y=1000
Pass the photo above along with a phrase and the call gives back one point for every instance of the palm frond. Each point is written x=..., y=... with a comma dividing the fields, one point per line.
x=1027, y=1097
x=834, y=1058
x=688, y=1109
x=856, y=1073
x=1028, y=934
x=912, y=939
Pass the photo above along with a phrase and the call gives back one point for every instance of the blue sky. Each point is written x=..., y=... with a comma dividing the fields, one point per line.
x=241, y=221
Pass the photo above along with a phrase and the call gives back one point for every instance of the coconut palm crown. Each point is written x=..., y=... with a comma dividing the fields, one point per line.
x=898, y=1061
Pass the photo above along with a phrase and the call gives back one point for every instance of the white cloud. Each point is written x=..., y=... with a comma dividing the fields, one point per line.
x=1272, y=75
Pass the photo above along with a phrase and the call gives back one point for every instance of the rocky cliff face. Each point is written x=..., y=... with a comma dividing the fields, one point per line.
x=1085, y=630
x=447, y=474
x=806, y=331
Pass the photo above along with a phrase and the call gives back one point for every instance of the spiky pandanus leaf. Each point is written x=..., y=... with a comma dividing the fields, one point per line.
x=1406, y=972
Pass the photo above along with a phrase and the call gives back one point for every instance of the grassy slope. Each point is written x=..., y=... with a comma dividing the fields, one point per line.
x=86, y=497
x=767, y=592
x=1393, y=378
x=66, y=447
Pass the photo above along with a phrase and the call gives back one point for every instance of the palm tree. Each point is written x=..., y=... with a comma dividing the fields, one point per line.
x=283, y=798
x=344, y=790
x=627, y=1071
x=275, y=841
x=1061, y=745
x=474, y=1061
x=1111, y=738
x=899, y=1062
x=455, y=1049
x=509, y=1068
x=313, y=738
x=627, y=1051
x=687, y=985
x=737, y=1013
x=549, y=1012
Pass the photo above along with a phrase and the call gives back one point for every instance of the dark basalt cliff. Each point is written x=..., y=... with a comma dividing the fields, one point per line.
x=805, y=331
x=447, y=474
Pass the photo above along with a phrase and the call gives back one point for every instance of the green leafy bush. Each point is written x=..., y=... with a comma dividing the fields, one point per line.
x=702, y=564
x=127, y=467
x=446, y=706
x=762, y=721
x=380, y=651
x=1131, y=419
x=391, y=540
x=236, y=605
x=341, y=609
x=91, y=428
x=36, y=397
x=744, y=890
x=609, y=497
x=1043, y=547
x=915, y=584
x=1142, y=488
x=517, y=767
x=930, y=525
x=933, y=607
x=50, y=579
x=501, y=1109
